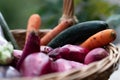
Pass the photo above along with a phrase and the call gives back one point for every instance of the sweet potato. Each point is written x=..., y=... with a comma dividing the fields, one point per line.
x=69, y=52
x=95, y=55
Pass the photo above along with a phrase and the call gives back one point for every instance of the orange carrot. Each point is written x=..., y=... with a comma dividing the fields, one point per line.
x=50, y=35
x=34, y=23
x=100, y=39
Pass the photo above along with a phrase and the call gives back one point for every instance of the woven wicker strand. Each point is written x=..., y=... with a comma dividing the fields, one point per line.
x=103, y=68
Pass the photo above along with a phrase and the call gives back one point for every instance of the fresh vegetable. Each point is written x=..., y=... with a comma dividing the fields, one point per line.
x=69, y=52
x=32, y=45
x=34, y=24
x=55, y=31
x=36, y=64
x=78, y=33
x=45, y=49
x=6, y=51
x=62, y=65
x=8, y=35
x=17, y=55
x=99, y=39
x=95, y=55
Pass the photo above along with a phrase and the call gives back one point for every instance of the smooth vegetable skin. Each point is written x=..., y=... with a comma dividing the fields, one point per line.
x=99, y=39
x=55, y=31
x=32, y=45
x=78, y=33
x=8, y=35
x=95, y=55
x=61, y=65
x=36, y=64
x=69, y=52
x=34, y=23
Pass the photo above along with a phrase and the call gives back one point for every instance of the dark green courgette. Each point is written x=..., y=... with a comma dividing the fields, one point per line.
x=77, y=33
x=8, y=35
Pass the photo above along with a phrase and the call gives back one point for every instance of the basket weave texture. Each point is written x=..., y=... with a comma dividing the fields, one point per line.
x=100, y=70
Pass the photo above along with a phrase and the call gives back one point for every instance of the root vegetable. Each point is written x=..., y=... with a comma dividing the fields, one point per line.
x=62, y=65
x=69, y=52
x=95, y=55
x=36, y=64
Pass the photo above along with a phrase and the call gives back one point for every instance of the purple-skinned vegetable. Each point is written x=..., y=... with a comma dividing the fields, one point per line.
x=61, y=65
x=32, y=45
x=36, y=64
x=69, y=52
x=95, y=55
x=17, y=55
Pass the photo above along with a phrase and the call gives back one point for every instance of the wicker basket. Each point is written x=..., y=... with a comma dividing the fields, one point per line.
x=100, y=70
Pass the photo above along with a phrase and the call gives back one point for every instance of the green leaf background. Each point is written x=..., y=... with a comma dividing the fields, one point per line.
x=17, y=12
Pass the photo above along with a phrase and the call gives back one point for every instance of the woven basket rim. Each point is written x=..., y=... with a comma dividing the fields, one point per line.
x=94, y=68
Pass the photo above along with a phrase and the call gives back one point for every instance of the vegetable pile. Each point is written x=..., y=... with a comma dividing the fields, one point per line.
x=64, y=48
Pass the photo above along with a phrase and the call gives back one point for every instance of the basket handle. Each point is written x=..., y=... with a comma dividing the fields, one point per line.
x=68, y=11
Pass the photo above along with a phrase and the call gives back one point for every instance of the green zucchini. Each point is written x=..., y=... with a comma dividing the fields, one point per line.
x=78, y=33
x=6, y=31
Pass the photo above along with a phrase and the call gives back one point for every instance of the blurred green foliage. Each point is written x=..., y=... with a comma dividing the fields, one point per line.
x=17, y=12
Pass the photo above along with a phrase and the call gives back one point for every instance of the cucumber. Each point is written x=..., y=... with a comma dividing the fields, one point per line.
x=6, y=31
x=78, y=33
